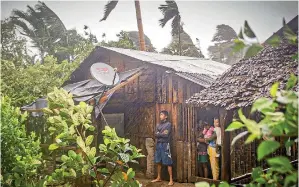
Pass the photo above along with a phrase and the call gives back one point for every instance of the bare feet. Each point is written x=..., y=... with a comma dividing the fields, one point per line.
x=171, y=183
x=157, y=180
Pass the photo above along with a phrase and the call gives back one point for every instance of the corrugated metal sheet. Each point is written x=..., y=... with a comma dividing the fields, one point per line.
x=88, y=87
x=207, y=69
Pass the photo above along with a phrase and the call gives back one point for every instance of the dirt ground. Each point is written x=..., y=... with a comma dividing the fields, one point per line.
x=147, y=183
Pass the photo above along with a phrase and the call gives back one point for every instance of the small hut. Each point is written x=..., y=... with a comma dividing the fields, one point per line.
x=151, y=82
x=238, y=88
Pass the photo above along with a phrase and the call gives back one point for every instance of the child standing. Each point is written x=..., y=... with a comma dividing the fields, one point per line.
x=210, y=138
x=202, y=156
x=218, y=134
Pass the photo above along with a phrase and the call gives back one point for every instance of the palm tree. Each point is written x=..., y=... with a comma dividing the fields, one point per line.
x=112, y=4
x=42, y=26
x=171, y=11
x=32, y=26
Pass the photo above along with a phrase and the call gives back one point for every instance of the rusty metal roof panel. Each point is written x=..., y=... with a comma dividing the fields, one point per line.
x=201, y=67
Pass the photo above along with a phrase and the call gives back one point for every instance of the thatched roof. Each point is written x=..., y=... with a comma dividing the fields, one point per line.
x=250, y=79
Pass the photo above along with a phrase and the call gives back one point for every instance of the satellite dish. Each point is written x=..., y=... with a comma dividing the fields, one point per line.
x=104, y=73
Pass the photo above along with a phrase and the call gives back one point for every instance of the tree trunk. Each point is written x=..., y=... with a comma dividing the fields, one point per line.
x=140, y=26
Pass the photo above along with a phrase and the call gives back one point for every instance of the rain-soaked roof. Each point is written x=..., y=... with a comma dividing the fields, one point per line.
x=198, y=70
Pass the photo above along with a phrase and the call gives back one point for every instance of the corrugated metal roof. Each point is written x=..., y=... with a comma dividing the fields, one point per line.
x=191, y=65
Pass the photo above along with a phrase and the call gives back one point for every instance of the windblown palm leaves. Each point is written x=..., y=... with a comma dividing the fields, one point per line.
x=31, y=25
x=108, y=9
x=171, y=11
x=46, y=30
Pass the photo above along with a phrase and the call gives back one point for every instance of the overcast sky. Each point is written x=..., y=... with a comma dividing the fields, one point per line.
x=200, y=17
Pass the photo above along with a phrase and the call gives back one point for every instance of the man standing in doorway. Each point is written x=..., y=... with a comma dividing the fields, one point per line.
x=163, y=154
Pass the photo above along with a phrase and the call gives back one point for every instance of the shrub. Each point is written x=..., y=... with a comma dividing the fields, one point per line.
x=21, y=153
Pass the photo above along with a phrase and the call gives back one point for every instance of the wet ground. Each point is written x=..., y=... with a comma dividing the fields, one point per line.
x=147, y=183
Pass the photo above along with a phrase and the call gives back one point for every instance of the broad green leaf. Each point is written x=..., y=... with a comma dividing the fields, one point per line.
x=72, y=154
x=261, y=180
x=262, y=104
x=89, y=140
x=47, y=111
x=130, y=173
x=293, y=178
x=36, y=162
x=251, y=138
x=238, y=46
x=223, y=184
x=266, y=148
x=280, y=162
x=240, y=35
x=291, y=82
x=256, y=173
x=253, y=50
x=202, y=184
x=73, y=172
x=91, y=128
x=250, y=124
x=248, y=31
x=80, y=142
x=53, y=146
x=92, y=152
x=52, y=129
x=274, y=89
x=103, y=170
x=64, y=158
x=234, y=126
x=274, y=40
x=106, y=141
x=92, y=173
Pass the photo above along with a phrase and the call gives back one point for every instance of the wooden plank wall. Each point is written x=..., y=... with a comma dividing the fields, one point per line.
x=143, y=99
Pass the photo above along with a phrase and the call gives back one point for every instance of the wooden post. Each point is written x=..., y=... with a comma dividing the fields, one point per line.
x=225, y=119
x=180, y=91
x=170, y=98
x=180, y=161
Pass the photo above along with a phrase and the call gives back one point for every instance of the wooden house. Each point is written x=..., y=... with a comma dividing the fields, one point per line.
x=238, y=88
x=157, y=82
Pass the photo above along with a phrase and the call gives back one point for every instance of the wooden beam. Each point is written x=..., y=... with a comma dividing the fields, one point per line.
x=124, y=83
x=170, y=89
x=180, y=91
x=225, y=117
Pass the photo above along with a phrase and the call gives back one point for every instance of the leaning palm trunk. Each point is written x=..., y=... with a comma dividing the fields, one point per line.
x=112, y=4
x=140, y=26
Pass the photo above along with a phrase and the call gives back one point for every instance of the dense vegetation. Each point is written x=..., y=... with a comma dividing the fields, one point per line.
x=26, y=77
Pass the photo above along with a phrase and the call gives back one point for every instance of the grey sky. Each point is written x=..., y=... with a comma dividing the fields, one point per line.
x=200, y=17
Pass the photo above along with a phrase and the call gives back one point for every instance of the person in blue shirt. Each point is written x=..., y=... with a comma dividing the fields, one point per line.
x=163, y=154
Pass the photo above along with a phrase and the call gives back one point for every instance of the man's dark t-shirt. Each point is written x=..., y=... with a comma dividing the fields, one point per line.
x=163, y=132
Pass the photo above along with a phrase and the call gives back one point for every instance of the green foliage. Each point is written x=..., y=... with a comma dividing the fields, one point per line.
x=13, y=48
x=70, y=124
x=279, y=120
x=47, y=32
x=256, y=47
x=123, y=41
x=21, y=153
x=184, y=47
x=24, y=85
x=223, y=50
